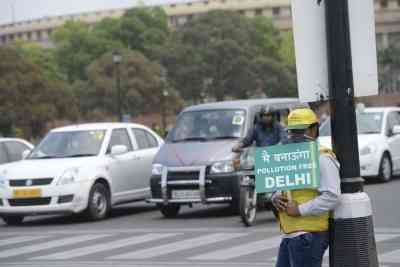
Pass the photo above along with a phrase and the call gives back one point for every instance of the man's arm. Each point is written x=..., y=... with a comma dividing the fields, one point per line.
x=245, y=142
x=329, y=189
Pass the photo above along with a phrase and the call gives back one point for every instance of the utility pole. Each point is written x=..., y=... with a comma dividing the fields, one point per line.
x=117, y=61
x=352, y=233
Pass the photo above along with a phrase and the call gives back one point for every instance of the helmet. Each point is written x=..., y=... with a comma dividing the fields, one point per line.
x=267, y=110
x=302, y=118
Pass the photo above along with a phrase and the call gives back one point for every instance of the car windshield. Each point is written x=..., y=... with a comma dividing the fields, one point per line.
x=367, y=123
x=208, y=125
x=69, y=144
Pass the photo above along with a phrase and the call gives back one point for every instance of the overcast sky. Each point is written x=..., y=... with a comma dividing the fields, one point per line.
x=29, y=9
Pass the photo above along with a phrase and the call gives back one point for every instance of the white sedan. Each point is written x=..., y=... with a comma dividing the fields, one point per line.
x=89, y=168
x=378, y=141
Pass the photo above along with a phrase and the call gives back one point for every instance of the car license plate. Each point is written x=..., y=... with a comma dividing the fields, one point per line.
x=185, y=194
x=27, y=193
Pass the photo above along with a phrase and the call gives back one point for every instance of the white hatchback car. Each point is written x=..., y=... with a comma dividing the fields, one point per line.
x=88, y=167
x=378, y=140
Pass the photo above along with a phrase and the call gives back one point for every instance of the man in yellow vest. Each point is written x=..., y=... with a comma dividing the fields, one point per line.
x=304, y=214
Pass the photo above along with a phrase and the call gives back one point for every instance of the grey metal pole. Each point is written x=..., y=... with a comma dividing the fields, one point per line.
x=352, y=233
x=119, y=99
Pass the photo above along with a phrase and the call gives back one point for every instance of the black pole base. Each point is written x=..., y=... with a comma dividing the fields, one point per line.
x=352, y=239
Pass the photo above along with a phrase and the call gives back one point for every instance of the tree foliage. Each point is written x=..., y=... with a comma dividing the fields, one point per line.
x=27, y=99
x=218, y=55
x=141, y=85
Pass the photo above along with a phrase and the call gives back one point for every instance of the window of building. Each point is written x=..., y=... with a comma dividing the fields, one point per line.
x=39, y=35
x=206, y=2
x=173, y=5
x=49, y=31
x=189, y=3
x=259, y=12
x=242, y=12
x=276, y=11
x=384, y=3
x=29, y=36
x=398, y=2
x=11, y=37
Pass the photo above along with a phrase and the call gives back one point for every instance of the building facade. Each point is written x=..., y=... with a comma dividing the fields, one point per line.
x=39, y=30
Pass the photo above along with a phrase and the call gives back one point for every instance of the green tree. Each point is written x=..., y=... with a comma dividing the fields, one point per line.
x=141, y=85
x=286, y=49
x=389, y=69
x=27, y=99
x=77, y=45
x=41, y=57
x=217, y=55
x=144, y=29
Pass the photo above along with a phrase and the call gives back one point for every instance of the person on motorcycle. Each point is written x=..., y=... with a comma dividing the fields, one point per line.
x=266, y=132
x=304, y=213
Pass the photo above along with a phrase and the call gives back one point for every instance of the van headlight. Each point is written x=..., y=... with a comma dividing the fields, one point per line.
x=369, y=149
x=157, y=169
x=68, y=177
x=222, y=167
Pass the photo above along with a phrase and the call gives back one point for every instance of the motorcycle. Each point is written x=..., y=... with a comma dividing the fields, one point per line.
x=249, y=200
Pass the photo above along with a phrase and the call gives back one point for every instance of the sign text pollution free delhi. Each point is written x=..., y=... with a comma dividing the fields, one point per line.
x=287, y=167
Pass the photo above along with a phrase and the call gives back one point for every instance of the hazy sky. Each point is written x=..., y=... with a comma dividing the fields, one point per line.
x=29, y=9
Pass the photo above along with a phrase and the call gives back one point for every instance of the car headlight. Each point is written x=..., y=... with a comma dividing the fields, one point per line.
x=156, y=169
x=222, y=167
x=3, y=178
x=68, y=177
x=368, y=150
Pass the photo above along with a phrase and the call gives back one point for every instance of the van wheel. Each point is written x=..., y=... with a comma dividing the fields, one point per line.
x=13, y=220
x=170, y=210
x=99, y=203
x=385, y=168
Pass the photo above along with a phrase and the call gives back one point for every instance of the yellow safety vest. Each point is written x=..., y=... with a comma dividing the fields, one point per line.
x=305, y=223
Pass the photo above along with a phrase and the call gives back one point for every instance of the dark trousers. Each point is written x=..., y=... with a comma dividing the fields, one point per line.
x=306, y=250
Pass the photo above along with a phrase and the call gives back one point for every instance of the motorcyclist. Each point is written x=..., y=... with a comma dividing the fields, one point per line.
x=266, y=132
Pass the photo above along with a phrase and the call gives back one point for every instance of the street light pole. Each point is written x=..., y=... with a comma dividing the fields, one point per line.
x=352, y=233
x=117, y=61
x=164, y=95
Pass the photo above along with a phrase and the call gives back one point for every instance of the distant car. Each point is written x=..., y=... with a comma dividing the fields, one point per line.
x=13, y=149
x=88, y=167
x=378, y=140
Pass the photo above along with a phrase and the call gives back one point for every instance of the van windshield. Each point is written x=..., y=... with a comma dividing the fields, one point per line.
x=208, y=125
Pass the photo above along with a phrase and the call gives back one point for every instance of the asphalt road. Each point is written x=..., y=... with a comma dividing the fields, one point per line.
x=137, y=235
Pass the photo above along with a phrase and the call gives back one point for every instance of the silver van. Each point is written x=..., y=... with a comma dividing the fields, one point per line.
x=196, y=164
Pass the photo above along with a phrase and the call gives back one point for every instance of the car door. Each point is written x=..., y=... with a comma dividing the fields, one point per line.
x=147, y=149
x=15, y=150
x=393, y=119
x=120, y=165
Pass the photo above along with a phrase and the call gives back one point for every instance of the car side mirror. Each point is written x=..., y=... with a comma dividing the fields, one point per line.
x=25, y=153
x=118, y=150
x=396, y=130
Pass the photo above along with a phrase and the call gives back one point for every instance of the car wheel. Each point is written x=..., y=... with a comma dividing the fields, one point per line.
x=99, y=202
x=13, y=220
x=170, y=210
x=385, y=169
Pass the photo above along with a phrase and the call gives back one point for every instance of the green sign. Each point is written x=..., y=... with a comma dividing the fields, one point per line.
x=287, y=167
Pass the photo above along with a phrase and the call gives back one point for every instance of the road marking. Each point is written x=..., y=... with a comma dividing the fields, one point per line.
x=48, y=245
x=83, y=251
x=177, y=246
x=19, y=239
x=390, y=257
x=242, y=250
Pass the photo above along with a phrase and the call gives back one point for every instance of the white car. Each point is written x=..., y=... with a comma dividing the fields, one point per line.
x=13, y=149
x=378, y=141
x=88, y=167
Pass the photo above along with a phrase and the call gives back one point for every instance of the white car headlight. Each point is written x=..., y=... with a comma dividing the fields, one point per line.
x=369, y=149
x=68, y=177
x=3, y=178
x=156, y=169
x=222, y=167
